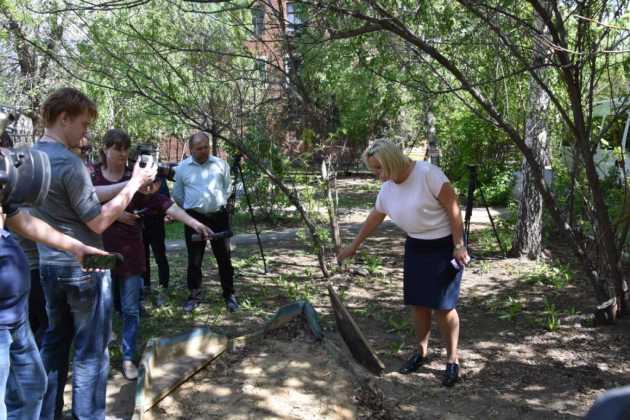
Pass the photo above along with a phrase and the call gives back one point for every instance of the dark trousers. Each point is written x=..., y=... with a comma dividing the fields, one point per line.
x=153, y=235
x=37, y=308
x=218, y=222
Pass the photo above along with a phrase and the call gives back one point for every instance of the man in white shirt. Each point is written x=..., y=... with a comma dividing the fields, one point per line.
x=202, y=184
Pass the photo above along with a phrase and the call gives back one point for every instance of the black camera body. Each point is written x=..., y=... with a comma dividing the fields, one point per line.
x=24, y=176
x=145, y=153
x=24, y=173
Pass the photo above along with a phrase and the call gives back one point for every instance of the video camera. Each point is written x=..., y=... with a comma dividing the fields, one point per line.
x=144, y=152
x=24, y=173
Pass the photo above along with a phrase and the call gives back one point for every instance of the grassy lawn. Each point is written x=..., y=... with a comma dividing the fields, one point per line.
x=174, y=231
x=242, y=223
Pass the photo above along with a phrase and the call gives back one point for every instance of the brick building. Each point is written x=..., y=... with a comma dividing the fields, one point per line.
x=274, y=25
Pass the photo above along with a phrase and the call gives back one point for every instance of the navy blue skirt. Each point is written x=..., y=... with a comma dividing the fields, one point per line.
x=430, y=280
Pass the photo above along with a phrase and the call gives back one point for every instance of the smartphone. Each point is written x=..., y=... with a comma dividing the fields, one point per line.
x=140, y=212
x=102, y=262
x=146, y=160
x=456, y=264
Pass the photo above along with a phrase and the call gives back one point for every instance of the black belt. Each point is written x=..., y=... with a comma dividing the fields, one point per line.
x=220, y=210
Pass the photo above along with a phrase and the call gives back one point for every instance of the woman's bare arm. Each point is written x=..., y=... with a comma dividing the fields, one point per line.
x=374, y=219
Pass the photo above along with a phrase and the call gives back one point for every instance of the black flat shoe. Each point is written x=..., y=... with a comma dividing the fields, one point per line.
x=451, y=374
x=412, y=364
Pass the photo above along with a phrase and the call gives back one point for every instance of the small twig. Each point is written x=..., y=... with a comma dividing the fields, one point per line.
x=605, y=25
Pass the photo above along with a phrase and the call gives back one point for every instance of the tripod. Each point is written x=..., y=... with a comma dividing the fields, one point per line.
x=238, y=171
x=473, y=184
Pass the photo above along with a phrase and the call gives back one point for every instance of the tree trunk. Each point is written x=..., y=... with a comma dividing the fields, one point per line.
x=34, y=63
x=528, y=235
x=433, y=147
x=329, y=178
x=214, y=142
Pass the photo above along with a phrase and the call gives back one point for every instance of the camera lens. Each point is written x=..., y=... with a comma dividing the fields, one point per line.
x=166, y=170
x=24, y=175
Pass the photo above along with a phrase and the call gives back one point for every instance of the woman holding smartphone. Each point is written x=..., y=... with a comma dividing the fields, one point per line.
x=125, y=237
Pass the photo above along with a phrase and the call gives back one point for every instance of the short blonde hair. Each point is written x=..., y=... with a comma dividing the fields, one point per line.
x=389, y=155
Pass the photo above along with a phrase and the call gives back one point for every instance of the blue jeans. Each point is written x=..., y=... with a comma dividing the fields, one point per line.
x=79, y=308
x=127, y=291
x=22, y=375
x=613, y=404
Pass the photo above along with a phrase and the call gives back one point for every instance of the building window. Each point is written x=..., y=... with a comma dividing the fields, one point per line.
x=258, y=20
x=294, y=21
x=260, y=66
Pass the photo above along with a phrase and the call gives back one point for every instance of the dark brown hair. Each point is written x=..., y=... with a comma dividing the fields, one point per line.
x=116, y=138
x=68, y=100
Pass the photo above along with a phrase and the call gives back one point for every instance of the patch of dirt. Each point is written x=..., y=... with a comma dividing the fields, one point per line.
x=285, y=375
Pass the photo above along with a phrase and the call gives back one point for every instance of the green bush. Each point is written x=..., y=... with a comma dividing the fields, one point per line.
x=466, y=140
x=565, y=181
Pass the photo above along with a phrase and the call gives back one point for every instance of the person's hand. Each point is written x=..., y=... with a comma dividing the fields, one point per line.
x=151, y=188
x=461, y=256
x=82, y=250
x=168, y=218
x=345, y=253
x=144, y=176
x=128, y=218
x=203, y=230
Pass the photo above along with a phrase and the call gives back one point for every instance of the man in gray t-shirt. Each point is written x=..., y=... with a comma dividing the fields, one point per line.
x=71, y=201
x=78, y=304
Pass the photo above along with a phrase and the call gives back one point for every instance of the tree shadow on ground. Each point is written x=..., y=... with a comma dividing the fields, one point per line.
x=285, y=374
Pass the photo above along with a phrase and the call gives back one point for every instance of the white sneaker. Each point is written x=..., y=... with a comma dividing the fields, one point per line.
x=129, y=370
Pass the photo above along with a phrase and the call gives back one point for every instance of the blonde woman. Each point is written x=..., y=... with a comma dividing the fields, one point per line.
x=418, y=197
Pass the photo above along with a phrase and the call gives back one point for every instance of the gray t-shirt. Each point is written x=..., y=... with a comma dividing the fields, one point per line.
x=71, y=202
